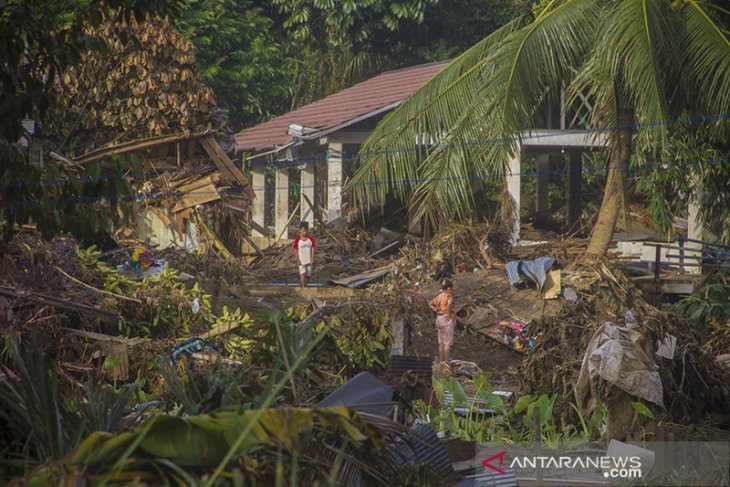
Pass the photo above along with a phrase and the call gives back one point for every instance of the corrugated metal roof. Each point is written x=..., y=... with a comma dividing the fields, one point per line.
x=363, y=98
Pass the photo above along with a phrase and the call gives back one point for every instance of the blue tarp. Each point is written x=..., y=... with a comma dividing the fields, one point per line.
x=535, y=270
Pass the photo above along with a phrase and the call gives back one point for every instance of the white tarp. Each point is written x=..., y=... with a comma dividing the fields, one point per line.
x=615, y=354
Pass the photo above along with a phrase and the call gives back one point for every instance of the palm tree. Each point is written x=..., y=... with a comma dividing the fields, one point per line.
x=640, y=61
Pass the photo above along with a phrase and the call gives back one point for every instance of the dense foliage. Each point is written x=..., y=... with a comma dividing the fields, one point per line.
x=39, y=46
x=243, y=57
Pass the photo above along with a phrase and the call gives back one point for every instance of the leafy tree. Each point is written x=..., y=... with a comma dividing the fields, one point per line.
x=242, y=57
x=642, y=62
x=38, y=45
x=335, y=41
x=144, y=83
x=357, y=21
x=697, y=167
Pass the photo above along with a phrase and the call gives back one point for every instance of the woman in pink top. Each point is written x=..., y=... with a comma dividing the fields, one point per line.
x=304, y=250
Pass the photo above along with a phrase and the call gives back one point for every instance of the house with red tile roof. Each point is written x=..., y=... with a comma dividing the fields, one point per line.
x=312, y=150
x=316, y=144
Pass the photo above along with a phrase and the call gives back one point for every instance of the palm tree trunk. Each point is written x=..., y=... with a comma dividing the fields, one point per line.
x=615, y=182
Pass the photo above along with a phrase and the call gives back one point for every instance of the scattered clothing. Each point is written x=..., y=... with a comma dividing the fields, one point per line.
x=464, y=368
x=516, y=335
x=535, y=270
x=142, y=263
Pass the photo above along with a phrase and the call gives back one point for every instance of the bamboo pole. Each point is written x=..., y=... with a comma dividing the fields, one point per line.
x=288, y=222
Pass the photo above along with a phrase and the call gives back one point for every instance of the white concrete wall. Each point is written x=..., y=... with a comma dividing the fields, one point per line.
x=150, y=226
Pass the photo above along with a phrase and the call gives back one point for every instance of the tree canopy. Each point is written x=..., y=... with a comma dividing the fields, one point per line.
x=243, y=57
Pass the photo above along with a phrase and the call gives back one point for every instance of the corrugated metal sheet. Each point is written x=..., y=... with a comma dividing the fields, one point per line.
x=400, y=364
x=421, y=446
x=363, y=98
x=364, y=277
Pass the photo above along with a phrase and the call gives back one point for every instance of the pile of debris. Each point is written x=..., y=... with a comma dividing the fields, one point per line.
x=685, y=382
x=338, y=253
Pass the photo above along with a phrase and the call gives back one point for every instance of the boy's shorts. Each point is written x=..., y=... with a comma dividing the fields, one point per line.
x=305, y=270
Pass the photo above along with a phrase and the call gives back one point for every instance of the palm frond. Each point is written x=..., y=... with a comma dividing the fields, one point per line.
x=468, y=118
x=638, y=45
x=389, y=159
x=705, y=51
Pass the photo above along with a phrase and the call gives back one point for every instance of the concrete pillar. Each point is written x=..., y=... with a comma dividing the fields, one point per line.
x=575, y=189
x=258, y=184
x=334, y=180
x=307, y=189
x=694, y=231
x=542, y=202
x=281, y=201
x=513, y=187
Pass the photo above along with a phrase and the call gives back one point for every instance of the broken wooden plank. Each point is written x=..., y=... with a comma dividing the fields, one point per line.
x=198, y=196
x=259, y=252
x=224, y=163
x=100, y=337
x=198, y=183
x=44, y=299
x=136, y=146
x=220, y=330
x=213, y=237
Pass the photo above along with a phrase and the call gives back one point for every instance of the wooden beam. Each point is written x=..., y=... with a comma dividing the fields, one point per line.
x=100, y=337
x=225, y=328
x=100, y=291
x=225, y=164
x=135, y=146
x=68, y=305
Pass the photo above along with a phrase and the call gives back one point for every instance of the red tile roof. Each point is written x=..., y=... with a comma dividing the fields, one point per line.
x=363, y=98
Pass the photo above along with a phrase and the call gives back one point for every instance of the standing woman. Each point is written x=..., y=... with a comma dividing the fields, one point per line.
x=443, y=306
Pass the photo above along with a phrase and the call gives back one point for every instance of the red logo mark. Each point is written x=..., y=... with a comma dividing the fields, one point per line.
x=499, y=455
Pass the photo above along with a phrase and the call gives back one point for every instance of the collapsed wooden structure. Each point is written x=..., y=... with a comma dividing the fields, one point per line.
x=191, y=195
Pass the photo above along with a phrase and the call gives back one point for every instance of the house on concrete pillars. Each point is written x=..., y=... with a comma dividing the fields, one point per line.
x=316, y=145
x=320, y=140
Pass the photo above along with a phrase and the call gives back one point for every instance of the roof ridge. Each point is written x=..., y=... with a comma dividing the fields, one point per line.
x=339, y=107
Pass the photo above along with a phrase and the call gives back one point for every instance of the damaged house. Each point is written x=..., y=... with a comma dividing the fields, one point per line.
x=192, y=195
